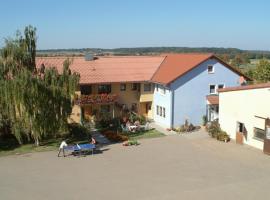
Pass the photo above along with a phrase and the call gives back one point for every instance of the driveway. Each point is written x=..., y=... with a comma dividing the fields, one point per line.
x=172, y=167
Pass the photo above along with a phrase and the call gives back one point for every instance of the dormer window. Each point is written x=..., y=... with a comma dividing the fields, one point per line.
x=210, y=69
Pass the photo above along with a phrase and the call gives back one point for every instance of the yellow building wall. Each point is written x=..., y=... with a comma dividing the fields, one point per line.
x=127, y=97
x=146, y=96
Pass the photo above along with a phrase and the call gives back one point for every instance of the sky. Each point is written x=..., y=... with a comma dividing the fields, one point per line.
x=243, y=24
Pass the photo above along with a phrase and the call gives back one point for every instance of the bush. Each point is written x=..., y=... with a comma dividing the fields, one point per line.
x=204, y=120
x=78, y=131
x=187, y=127
x=223, y=136
x=215, y=131
x=114, y=136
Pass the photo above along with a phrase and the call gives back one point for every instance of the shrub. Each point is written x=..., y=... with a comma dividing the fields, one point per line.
x=215, y=131
x=78, y=131
x=223, y=136
x=204, y=120
x=114, y=136
x=187, y=127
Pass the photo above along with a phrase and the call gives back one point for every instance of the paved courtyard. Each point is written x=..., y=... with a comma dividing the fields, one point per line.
x=171, y=167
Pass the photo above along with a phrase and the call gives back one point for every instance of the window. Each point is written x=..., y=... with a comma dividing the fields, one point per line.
x=161, y=111
x=147, y=87
x=220, y=86
x=259, y=133
x=86, y=89
x=212, y=89
x=105, y=108
x=164, y=115
x=104, y=89
x=123, y=87
x=134, y=86
x=157, y=87
x=210, y=69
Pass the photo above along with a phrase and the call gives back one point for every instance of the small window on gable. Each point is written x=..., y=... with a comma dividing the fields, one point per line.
x=210, y=69
x=212, y=89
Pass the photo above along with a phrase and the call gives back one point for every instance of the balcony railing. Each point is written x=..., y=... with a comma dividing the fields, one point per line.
x=95, y=99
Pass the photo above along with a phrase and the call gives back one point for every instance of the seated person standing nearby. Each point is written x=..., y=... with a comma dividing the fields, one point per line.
x=61, y=148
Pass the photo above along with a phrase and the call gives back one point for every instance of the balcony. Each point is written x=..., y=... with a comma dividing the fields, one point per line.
x=95, y=99
x=146, y=97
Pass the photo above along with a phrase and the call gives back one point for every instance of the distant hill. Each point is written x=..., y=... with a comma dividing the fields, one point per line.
x=231, y=52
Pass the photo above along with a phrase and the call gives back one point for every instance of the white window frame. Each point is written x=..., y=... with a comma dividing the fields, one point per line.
x=215, y=88
x=213, y=69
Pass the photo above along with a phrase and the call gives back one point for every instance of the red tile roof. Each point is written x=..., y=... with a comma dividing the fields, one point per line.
x=176, y=65
x=109, y=69
x=245, y=87
x=213, y=99
x=112, y=69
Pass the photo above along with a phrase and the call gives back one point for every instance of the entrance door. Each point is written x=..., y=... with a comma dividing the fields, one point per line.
x=213, y=112
x=146, y=108
x=240, y=133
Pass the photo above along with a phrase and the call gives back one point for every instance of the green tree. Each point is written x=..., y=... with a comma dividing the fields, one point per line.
x=262, y=71
x=35, y=102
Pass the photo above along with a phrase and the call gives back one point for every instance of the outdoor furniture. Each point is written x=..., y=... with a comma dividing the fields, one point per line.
x=81, y=148
x=145, y=127
x=124, y=129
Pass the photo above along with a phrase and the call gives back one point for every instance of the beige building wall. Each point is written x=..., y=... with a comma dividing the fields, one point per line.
x=245, y=106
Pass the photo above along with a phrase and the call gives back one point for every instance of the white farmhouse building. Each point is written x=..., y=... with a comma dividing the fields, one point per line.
x=244, y=114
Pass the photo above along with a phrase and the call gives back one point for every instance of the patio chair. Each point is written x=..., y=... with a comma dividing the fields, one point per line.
x=124, y=129
x=145, y=127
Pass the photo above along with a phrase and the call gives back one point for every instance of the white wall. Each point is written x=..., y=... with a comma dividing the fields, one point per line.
x=164, y=100
x=242, y=106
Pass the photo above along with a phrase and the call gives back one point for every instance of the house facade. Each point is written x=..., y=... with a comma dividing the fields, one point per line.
x=168, y=88
x=183, y=94
x=111, y=85
x=244, y=114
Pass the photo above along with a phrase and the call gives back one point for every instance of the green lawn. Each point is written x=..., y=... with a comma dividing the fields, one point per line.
x=48, y=145
x=145, y=134
x=53, y=144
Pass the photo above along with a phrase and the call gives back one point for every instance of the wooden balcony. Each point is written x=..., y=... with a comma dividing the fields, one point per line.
x=95, y=99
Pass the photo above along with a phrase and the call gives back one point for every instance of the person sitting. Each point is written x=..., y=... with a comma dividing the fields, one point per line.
x=61, y=148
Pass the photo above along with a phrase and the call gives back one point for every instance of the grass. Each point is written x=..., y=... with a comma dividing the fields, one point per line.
x=48, y=145
x=145, y=134
x=53, y=144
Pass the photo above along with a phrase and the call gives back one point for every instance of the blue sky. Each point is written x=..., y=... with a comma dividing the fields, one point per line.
x=242, y=24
